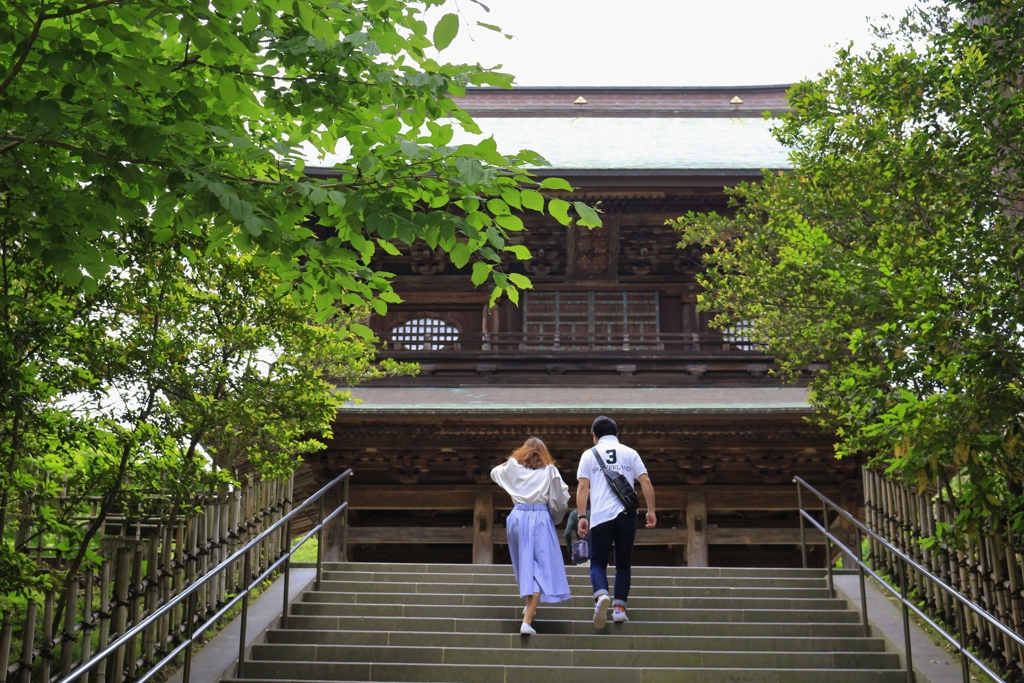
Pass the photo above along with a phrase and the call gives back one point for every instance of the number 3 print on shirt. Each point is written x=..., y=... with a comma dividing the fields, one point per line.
x=611, y=456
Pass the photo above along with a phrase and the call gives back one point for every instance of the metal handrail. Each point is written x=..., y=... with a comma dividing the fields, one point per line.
x=961, y=601
x=244, y=554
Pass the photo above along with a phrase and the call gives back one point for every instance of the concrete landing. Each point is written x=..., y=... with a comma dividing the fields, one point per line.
x=932, y=664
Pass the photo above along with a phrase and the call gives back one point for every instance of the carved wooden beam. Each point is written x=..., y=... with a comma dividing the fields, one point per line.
x=463, y=497
x=674, y=536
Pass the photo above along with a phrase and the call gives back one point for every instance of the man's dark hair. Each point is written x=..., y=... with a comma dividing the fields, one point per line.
x=604, y=426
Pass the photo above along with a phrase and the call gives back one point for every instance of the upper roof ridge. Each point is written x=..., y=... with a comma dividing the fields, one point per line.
x=630, y=102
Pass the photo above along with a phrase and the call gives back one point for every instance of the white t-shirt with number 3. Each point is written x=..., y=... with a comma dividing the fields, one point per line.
x=604, y=504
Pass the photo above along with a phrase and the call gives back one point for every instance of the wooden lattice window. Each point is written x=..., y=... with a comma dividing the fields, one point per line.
x=738, y=335
x=595, y=320
x=424, y=334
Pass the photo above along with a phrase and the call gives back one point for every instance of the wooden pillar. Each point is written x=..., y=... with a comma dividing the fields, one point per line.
x=696, y=529
x=483, y=526
x=333, y=530
x=849, y=500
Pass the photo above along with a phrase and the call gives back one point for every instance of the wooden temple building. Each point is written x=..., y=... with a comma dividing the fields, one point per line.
x=610, y=327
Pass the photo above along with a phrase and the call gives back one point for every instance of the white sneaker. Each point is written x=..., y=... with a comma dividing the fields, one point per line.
x=527, y=630
x=601, y=611
x=619, y=616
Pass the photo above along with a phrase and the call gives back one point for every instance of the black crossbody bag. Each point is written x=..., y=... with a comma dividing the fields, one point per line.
x=620, y=485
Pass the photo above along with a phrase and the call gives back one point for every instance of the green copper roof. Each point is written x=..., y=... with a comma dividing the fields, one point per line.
x=640, y=143
x=588, y=400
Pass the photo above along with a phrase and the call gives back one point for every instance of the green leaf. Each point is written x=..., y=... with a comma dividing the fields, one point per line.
x=555, y=184
x=511, y=223
x=250, y=19
x=190, y=128
x=533, y=200
x=228, y=90
x=522, y=253
x=389, y=248
x=588, y=216
x=471, y=170
x=162, y=216
x=446, y=30
x=520, y=281
x=481, y=271
x=324, y=300
x=253, y=225
x=460, y=254
x=498, y=207
x=363, y=331
x=559, y=210
x=512, y=197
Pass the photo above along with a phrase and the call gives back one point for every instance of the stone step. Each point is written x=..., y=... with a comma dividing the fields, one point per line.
x=481, y=569
x=507, y=600
x=689, y=659
x=449, y=623
x=481, y=673
x=576, y=579
x=509, y=587
x=336, y=602
x=724, y=629
x=589, y=641
x=706, y=611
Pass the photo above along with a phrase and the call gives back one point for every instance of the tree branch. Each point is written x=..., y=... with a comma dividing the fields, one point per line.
x=9, y=146
x=79, y=10
x=16, y=69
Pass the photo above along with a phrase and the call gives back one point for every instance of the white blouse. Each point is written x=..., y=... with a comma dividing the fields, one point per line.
x=524, y=485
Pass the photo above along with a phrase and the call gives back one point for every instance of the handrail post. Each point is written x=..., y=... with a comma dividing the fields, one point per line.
x=190, y=625
x=319, y=542
x=286, y=571
x=240, y=669
x=961, y=625
x=863, y=590
x=344, y=521
x=803, y=533
x=828, y=551
x=906, y=618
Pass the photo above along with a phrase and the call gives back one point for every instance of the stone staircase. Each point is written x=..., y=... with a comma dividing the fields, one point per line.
x=460, y=623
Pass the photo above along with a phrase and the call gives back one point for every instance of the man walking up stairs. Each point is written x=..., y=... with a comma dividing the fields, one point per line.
x=460, y=623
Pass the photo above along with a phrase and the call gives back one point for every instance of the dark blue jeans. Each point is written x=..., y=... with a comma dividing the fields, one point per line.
x=621, y=532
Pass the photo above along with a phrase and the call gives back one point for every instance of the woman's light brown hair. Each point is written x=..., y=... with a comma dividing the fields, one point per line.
x=534, y=449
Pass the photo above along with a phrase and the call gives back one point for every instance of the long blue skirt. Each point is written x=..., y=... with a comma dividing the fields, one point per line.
x=536, y=556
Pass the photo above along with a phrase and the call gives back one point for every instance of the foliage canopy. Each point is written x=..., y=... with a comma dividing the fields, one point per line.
x=892, y=254
x=174, y=287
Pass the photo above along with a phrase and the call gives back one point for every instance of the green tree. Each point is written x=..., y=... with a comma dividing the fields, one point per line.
x=176, y=372
x=891, y=255
x=199, y=117
x=174, y=286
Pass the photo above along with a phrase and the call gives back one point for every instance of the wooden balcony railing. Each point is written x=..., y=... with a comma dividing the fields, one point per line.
x=546, y=343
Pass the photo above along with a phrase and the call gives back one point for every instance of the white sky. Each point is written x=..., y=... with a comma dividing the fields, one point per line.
x=662, y=42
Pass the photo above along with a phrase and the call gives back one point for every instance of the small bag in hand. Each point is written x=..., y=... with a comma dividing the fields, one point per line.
x=620, y=485
x=580, y=551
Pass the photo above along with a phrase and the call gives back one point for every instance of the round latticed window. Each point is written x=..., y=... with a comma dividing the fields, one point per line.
x=424, y=334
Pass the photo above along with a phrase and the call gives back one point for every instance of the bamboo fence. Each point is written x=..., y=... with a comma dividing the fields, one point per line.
x=146, y=562
x=989, y=570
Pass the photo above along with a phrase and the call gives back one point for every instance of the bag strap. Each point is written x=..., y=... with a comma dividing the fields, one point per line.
x=598, y=456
